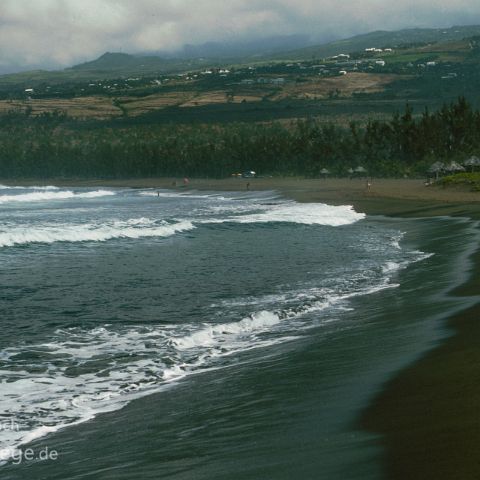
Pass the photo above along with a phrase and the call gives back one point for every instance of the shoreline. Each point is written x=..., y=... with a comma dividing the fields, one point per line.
x=427, y=412
x=386, y=196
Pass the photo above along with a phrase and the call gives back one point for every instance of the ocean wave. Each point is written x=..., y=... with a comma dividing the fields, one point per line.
x=90, y=374
x=133, y=228
x=47, y=195
x=19, y=187
x=301, y=213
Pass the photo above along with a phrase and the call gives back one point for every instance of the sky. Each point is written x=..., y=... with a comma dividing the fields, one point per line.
x=61, y=33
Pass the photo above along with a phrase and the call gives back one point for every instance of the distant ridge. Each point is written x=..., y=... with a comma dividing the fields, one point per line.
x=382, y=39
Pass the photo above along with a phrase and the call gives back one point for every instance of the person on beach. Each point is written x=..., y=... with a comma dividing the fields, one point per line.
x=369, y=185
x=248, y=185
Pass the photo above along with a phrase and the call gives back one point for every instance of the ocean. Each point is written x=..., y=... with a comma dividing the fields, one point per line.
x=207, y=335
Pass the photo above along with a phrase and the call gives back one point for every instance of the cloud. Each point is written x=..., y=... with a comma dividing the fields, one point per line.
x=57, y=33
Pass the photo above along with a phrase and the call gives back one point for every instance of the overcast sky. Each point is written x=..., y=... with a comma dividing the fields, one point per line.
x=58, y=33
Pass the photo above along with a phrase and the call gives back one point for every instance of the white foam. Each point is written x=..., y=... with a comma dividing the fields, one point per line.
x=213, y=333
x=54, y=194
x=301, y=213
x=18, y=187
x=51, y=233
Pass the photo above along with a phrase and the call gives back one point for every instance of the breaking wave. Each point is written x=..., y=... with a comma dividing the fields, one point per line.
x=302, y=213
x=49, y=193
x=133, y=228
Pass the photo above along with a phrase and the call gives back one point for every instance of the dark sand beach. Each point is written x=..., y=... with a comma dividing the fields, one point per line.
x=428, y=414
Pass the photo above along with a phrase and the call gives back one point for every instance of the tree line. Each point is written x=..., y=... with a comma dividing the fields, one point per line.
x=53, y=146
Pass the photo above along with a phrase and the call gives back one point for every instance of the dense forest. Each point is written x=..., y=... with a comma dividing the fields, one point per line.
x=55, y=146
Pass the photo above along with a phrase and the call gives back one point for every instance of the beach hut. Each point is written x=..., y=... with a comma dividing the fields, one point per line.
x=436, y=168
x=472, y=162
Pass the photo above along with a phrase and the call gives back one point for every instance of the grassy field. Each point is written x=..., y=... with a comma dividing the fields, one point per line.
x=104, y=107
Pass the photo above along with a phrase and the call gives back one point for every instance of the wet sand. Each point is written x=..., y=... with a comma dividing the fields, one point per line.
x=429, y=414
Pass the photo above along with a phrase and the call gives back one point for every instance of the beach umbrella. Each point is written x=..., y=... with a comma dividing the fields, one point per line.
x=436, y=168
x=325, y=172
x=454, y=167
x=472, y=162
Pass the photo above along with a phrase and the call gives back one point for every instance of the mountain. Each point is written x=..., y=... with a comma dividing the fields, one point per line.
x=109, y=62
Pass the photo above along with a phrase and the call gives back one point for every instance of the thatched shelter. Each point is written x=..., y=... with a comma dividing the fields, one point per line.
x=454, y=167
